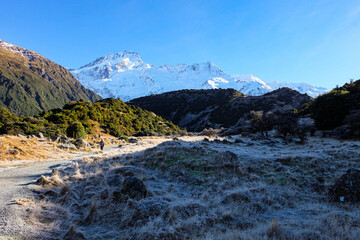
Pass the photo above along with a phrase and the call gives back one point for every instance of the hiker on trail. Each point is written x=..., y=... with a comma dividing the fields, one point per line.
x=102, y=144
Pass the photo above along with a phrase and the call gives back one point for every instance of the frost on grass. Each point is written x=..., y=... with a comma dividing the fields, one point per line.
x=182, y=190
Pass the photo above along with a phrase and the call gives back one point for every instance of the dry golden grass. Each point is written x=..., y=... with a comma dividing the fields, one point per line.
x=19, y=148
x=13, y=148
x=22, y=201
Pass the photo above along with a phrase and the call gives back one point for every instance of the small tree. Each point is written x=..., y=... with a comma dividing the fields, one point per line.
x=269, y=122
x=301, y=132
x=303, y=127
x=262, y=122
x=285, y=125
x=256, y=120
x=76, y=130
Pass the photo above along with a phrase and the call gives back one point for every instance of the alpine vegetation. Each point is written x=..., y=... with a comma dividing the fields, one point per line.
x=76, y=119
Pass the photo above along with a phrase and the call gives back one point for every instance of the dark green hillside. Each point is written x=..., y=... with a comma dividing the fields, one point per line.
x=174, y=105
x=215, y=108
x=338, y=107
x=112, y=115
x=281, y=101
x=30, y=83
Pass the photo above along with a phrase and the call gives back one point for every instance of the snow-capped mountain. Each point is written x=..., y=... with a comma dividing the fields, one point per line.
x=126, y=76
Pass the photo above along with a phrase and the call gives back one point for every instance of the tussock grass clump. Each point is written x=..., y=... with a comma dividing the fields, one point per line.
x=193, y=162
x=210, y=132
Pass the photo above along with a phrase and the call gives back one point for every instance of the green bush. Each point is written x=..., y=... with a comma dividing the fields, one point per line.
x=76, y=130
x=7, y=117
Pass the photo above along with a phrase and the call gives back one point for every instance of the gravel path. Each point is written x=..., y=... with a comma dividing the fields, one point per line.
x=17, y=182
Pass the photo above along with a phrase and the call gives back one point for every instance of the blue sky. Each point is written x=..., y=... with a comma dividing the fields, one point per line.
x=311, y=41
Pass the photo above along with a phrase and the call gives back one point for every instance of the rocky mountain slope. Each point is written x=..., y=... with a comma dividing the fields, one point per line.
x=199, y=109
x=31, y=83
x=125, y=75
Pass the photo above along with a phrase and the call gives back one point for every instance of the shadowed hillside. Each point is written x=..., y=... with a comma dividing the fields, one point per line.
x=199, y=109
x=330, y=110
x=339, y=111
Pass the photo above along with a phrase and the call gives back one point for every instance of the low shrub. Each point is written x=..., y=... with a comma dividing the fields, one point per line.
x=76, y=130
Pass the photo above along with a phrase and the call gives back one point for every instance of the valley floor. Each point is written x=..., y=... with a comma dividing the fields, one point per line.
x=186, y=188
x=18, y=177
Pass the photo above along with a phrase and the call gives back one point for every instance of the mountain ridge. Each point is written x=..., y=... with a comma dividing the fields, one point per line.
x=31, y=83
x=125, y=75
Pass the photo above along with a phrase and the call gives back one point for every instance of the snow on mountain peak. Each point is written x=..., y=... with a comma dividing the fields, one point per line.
x=125, y=75
x=31, y=55
x=126, y=57
x=8, y=46
x=248, y=78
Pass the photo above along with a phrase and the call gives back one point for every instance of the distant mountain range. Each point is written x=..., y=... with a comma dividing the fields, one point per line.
x=31, y=83
x=126, y=76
